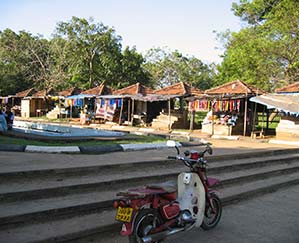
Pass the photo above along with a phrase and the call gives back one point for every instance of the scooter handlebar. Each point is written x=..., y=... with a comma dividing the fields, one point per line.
x=172, y=157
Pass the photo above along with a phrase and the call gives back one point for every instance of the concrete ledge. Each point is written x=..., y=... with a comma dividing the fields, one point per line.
x=285, y=142
x=94, y=149
x=52, y=149
x=100, y=149
x=12, y=147
x=225, y=137
x=144, y=146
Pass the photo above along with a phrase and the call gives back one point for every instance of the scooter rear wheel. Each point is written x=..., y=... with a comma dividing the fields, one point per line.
x=145, y=222
x=211, y=219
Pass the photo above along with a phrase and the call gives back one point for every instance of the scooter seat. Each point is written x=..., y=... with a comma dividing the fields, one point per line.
x=168, y=186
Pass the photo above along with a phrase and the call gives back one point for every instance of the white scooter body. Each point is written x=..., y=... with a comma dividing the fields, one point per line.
x=191, y=193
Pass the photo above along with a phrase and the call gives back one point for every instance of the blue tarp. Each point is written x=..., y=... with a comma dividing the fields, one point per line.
x=80, y=96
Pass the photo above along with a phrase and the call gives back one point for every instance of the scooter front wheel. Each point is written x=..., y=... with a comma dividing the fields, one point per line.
x=145, y=222
x=212, y=217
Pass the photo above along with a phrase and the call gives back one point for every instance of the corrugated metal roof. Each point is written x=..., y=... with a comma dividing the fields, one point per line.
x=286, y=103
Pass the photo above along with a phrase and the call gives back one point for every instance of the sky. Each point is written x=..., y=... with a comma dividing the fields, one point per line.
x=184, y=25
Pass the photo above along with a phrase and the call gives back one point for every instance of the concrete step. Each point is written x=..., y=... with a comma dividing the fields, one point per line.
x=66, y=164
x=236, y=193
x=26, y=188
x=101, y=199
x=69, y=201
x=63, y=230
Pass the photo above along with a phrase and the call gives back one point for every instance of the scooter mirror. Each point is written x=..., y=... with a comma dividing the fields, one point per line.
x=209, y=150
x=171, y=143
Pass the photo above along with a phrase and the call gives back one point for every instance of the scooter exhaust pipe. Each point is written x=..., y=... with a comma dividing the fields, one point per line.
x=161, y=235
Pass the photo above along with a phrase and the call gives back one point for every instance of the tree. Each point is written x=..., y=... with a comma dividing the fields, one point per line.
x=29, y=61
x=265, y=53
x=167, y=68
x=24, y=61
x=132, y=70
x=93, y=51
x=11, y=78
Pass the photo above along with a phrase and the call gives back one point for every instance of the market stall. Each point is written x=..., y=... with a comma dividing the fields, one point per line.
x=228, y=110
x=287, y=104
x=37, y=104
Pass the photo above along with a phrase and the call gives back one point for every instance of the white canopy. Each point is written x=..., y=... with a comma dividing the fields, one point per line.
x=283, y=102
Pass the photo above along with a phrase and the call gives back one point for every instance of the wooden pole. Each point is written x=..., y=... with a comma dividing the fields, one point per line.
x=262, y=131
x=129, y=110
x=245, y=117
x=169, y=116
x=71, y=110
x=121, y=111
x=132, y=115
x=267, y=121
x=212, y=119
x=192, y=119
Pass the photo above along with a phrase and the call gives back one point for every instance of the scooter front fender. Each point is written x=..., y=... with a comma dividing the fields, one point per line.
x=191, y=195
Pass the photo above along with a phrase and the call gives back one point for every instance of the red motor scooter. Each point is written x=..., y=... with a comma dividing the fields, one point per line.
x=151, y=213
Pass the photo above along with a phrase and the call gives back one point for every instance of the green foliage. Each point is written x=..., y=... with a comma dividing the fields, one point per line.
x=166, y=68
x=84, y=54
x=132, y=70
x=93, y=51
x=265, y=53
x=126, y=140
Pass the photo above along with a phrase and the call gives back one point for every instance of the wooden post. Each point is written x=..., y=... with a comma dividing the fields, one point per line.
x=192, y=119
x=59, y=105
x=132, y=115
x=71, y=109
x=262, y=131
x=245, y=117
x=253, y=122
x=121, y=111
x=129, y=110
x=169, y=115
x=267, y=121
x=212, y=120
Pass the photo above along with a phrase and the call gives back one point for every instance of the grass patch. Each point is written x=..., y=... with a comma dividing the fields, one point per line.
x=127, y=139
x=262, y=121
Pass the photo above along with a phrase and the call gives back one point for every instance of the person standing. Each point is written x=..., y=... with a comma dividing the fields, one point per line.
x=3, y=123
x=9, y=118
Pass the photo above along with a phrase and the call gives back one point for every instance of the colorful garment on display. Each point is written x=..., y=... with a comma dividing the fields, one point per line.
x=218, y=105
x=105, y=108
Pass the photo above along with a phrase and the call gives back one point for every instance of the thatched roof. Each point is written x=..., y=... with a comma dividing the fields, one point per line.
x=133, y=90
x=292, y=88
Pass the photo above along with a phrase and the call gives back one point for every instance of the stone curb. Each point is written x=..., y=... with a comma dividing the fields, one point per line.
x=144, y=146
x=12, y=147
x=52, y=149
x=89, y=149
x=100, y=149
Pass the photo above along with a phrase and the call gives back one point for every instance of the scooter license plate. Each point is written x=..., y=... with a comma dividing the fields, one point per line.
x=124, y=214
